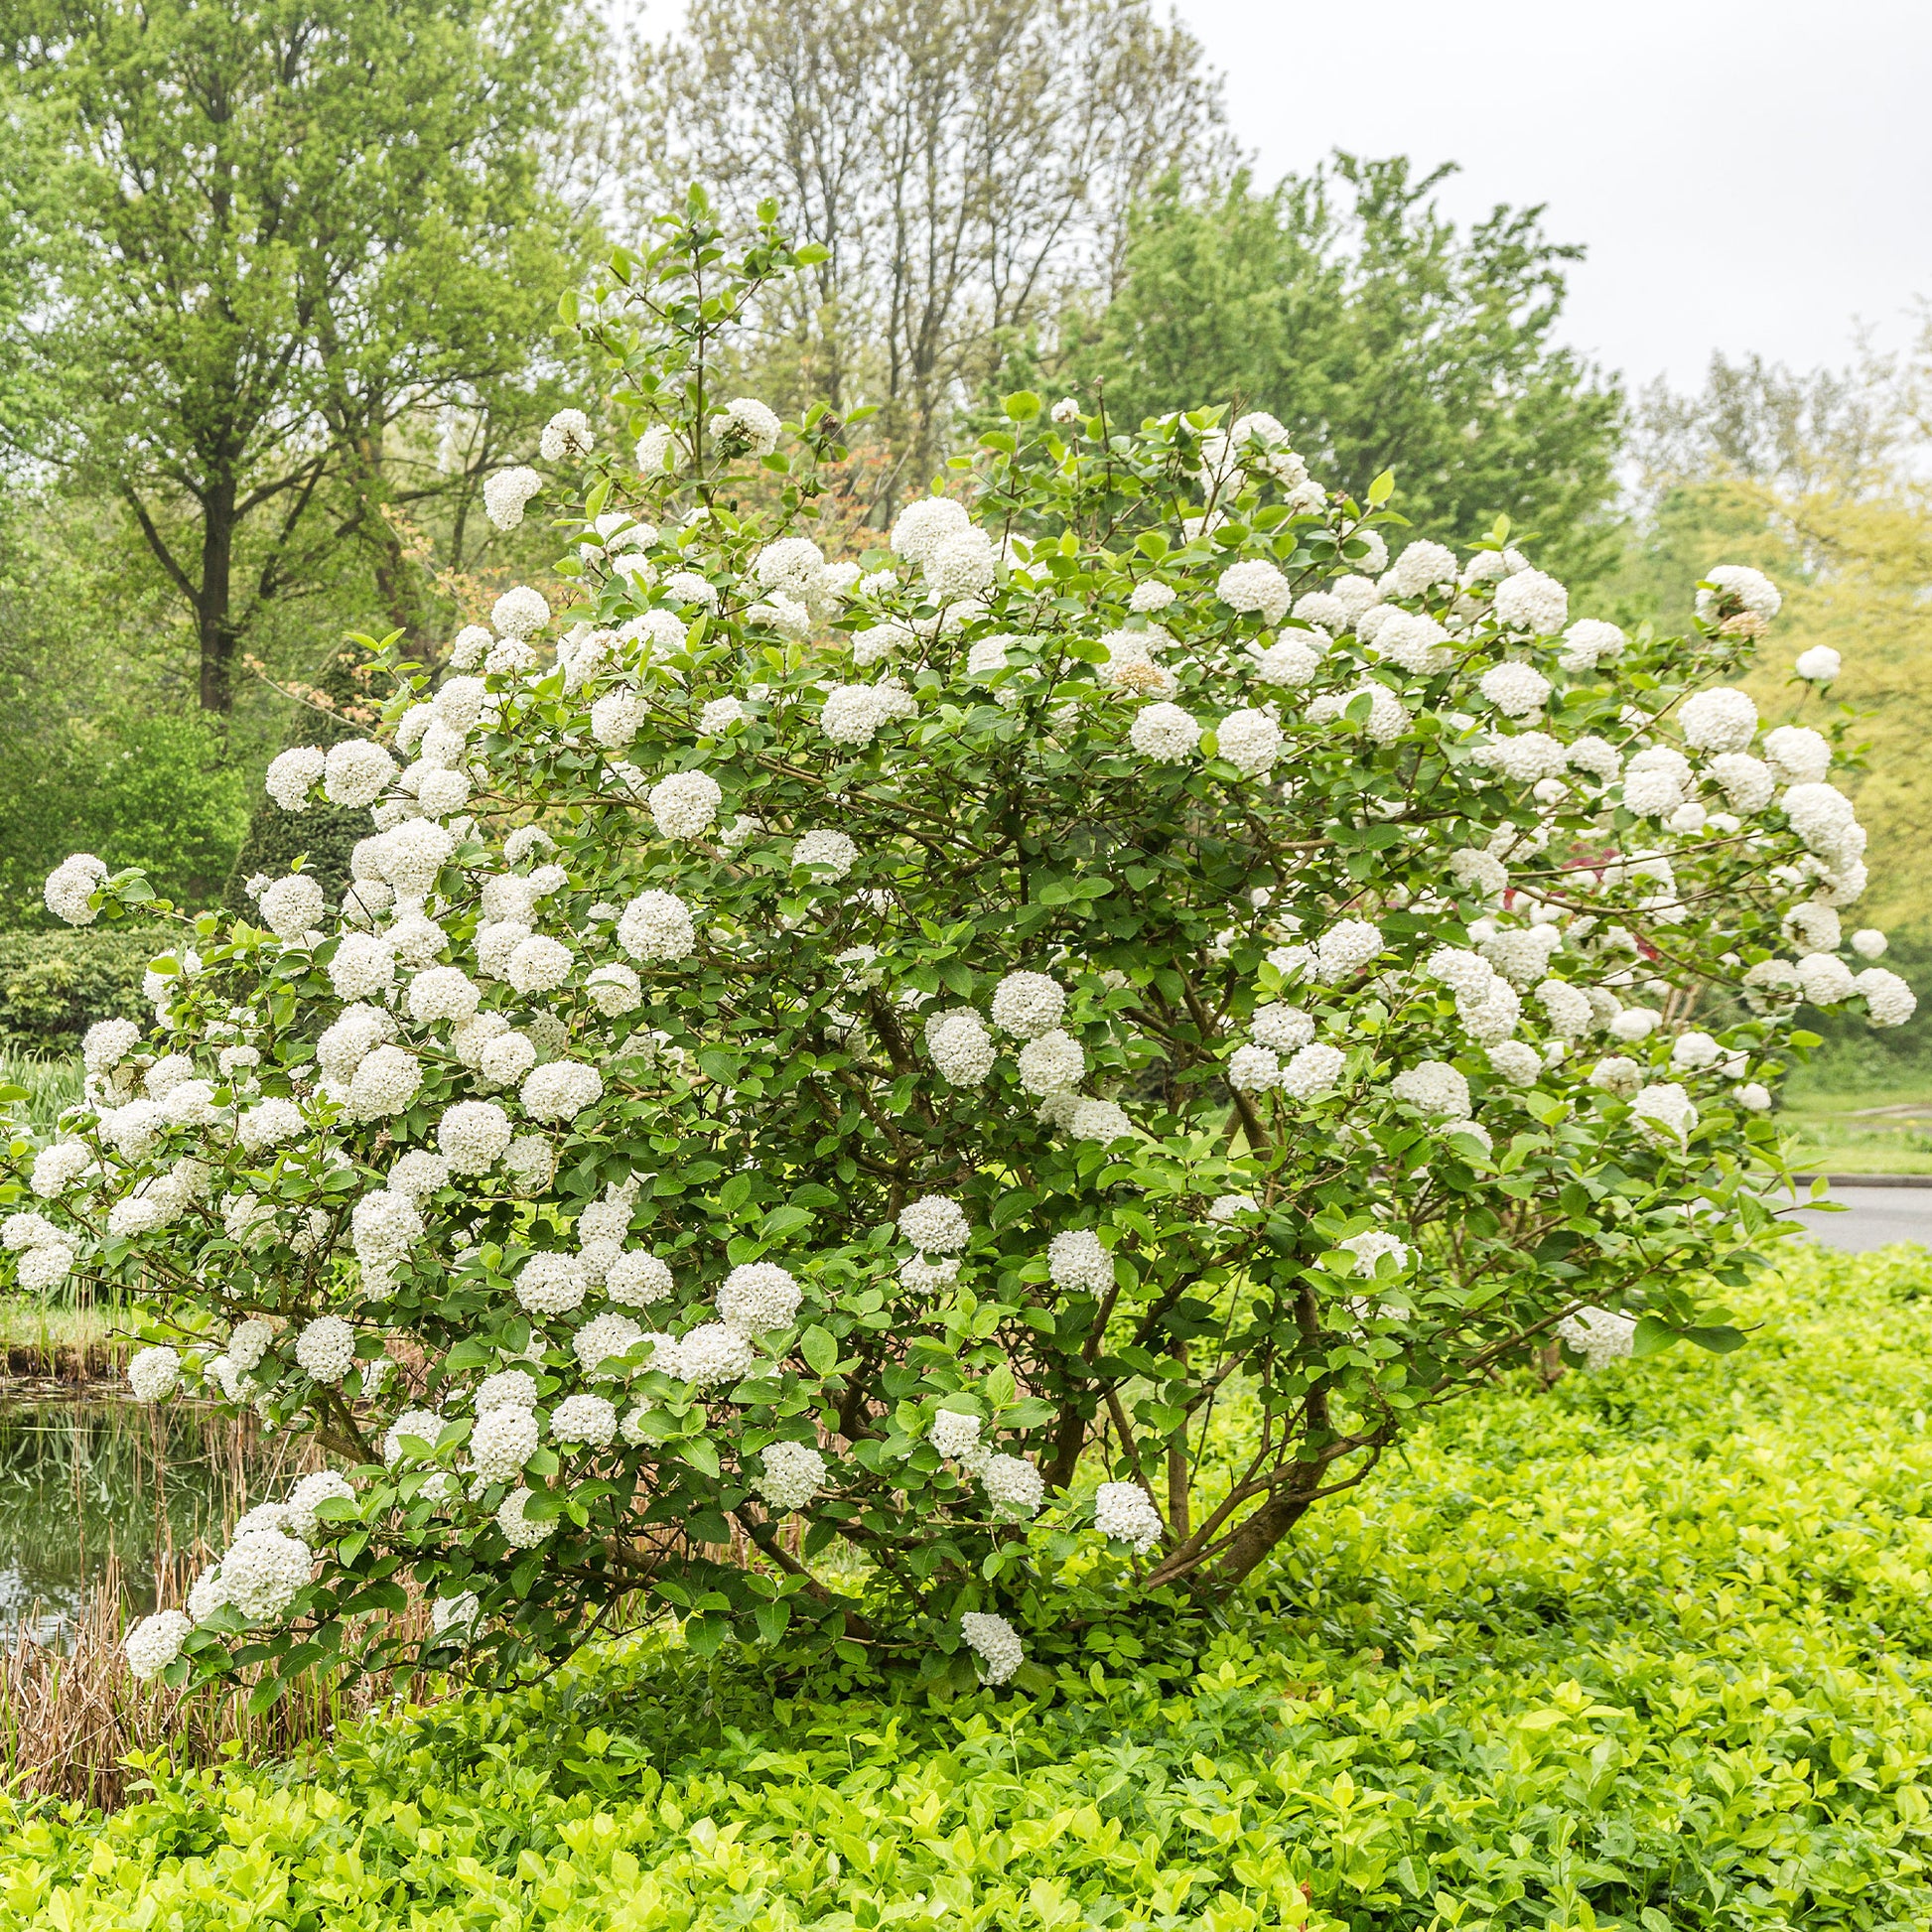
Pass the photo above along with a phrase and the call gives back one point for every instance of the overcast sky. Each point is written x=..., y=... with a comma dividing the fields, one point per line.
x=1746, y=174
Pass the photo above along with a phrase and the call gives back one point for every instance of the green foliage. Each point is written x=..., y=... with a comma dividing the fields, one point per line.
x=54, y=985
x=1345, y=304
x=1647, y=1654
x=332, y=292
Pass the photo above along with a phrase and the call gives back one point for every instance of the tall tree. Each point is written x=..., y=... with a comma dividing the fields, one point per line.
x=963, y=163
x=1347, y=304
x=279, y=238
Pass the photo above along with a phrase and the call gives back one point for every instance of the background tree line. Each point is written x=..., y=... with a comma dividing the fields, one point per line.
x=278, y=289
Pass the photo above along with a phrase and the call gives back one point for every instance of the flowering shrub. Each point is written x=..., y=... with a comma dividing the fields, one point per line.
x=823, y=1052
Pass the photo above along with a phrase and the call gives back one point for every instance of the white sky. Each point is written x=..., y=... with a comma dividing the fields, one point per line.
x=1746, y=174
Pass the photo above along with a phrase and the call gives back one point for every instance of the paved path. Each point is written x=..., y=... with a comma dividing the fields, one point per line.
x=1873, y=1217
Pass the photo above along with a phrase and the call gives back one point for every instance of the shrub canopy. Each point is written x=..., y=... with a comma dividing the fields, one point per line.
x=834, y=1076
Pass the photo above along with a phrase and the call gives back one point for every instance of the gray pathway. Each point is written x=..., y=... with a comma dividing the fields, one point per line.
x=1873, y=1217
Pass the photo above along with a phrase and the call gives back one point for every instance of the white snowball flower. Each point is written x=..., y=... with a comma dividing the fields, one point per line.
x=747, y=425
x=1720, y=720
x=1600, y=1336
x=934, y=1225
x=1283, y=1028
x=1694, y=1049
x=1516, y=1062
x=995, y=1642
x=357, y=772
x=1165, y=734
x=384, y=1229
x=560, y=1091
x=792, y=1474
x=1747, y=783
x=1027, y=1004
x=713, y=1354
x=520, y=611
x=921, y=527
x=1867, y=943
x=587, y=1419
x=831, y=854
x=719, y=716
x=1422, y=566
x=292, y=905
x=506, y=1060
x=472, y=1136
x=272, y=1123
x=1826, y=979
x=1255, y=586
x=1533, y=602
x=1347, y=946
x=960, y=1046
x=1253, y=1069
x=507, y=492
x=1371, y=1245
x=551, y=1283
x=1819, y=665
x=540, y=965
x=685, y=805
x=758, y=1297
x=1123, y=1513
x=657, y=925
x=1012, y=1485
x=1525, y=757
x=1415, y=641
x=1751, y=589
x=1077, y=1262
x=153, y=1374
x=1250, y=740
x=321, y=1486
x=1619, y=1075
x=1099, y=1119
x=326, y=1348
x=618, y=717
x=1664, y=1113
x=566, y=436
x=1753, y=1097
x=107, y=1042
x=636, y=1279
x=1052, y=1064
x=1634, y=1023
x=362, y=966
x=1470, y=1130
x=615, y=989
x=522, y=1532
x=1388, y=719
x=1313, y=1072
x=1890, y=1001
x=262, y=1572
x=1290, y=662
x=71, y=885
x=292, y=776
x=1516, y=690
x=1434, y=1086
x=1225, y=1208
x=58, y=1167
x=954, y=1435
x=1589, y=642
x=387, y=1080
x=1568, y=1008
x=155, y=1642
x=1149, y=598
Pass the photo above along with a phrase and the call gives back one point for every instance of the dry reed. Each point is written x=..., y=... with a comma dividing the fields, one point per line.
x=71, y=1717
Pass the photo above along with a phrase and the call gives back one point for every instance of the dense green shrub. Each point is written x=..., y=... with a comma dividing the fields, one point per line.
x=53, y=985
x=1649, y=1652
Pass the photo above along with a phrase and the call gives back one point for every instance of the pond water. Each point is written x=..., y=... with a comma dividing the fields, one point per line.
x=93, y=1488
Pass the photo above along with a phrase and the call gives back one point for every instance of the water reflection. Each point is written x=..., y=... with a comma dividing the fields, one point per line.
x=85, y=1483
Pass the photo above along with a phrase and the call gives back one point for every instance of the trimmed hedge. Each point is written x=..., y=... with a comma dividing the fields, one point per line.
x=53, y=985
x=1652, y=1651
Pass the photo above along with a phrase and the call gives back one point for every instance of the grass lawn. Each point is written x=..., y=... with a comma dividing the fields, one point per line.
x=1651, y=1651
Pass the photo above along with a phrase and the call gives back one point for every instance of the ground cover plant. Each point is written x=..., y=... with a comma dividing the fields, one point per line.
x=1649, y=1651
x=1026, y=1060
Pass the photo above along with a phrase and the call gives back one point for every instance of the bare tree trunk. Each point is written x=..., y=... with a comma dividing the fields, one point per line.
x=213, y=615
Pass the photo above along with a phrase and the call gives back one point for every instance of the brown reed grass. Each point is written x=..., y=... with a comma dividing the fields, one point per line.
x=72, y=1717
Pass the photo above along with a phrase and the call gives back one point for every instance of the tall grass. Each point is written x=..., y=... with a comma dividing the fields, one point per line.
x=76, y=1725
x=50, y=1084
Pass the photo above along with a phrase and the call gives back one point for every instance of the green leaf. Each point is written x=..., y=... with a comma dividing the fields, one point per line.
x=820, y=1352
x=1381, y=489
x=1651, y=1336
x=1022, y=406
